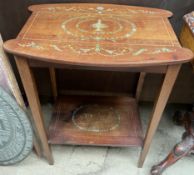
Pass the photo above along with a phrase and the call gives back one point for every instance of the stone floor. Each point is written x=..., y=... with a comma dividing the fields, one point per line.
x=84, y=160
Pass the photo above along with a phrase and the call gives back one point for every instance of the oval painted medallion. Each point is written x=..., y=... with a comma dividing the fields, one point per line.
x=96, y=118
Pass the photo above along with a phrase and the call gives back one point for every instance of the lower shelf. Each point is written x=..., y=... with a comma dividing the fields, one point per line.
x=105, y=121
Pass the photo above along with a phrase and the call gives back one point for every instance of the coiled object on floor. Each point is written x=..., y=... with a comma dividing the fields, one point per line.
x=15, y=131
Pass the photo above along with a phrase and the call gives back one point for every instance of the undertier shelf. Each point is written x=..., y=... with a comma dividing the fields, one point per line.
x=94, y=120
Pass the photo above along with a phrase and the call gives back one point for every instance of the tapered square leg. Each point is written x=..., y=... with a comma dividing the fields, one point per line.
x=168, y=83
x=34, y=103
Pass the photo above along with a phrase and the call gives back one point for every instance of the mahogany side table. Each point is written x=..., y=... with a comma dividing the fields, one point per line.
x=101, y=37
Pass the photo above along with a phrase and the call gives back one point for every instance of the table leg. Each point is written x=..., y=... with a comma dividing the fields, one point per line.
x=36, y=147
x=53, y=82
x=168, y=83
x=140, y=85
x=34, y=103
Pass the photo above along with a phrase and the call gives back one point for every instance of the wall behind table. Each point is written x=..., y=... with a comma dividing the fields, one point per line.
x=13, y=15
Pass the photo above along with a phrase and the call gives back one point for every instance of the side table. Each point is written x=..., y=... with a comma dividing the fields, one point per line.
x=101, y=37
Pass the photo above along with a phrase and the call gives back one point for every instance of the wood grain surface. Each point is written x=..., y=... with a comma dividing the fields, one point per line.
x=99, y=35
x=34, y=104
x=112, y=121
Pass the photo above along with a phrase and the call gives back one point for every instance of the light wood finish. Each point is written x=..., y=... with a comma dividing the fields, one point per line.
x=187, y=39
x=12, y=83
x=187, y=33
x=140, y=85
x=37, y=146
x=99, y=37
x=31, y=93
x=159, y=106
x=53, y=82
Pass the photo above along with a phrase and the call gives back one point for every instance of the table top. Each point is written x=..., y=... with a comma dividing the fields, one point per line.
x=99, y=35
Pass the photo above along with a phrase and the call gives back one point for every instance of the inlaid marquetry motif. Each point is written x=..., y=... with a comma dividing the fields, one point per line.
x=73, y=31
x=101, y=50
x=100, y=10
x=96, y=118
x=99, y=28
x=72, y=28
x=32, y=45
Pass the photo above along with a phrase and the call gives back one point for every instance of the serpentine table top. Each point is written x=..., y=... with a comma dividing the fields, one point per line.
x=97, y=36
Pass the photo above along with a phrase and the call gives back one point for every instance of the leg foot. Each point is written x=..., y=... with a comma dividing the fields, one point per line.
x=180, y=150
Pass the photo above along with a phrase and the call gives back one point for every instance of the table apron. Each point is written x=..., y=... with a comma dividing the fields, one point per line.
x=147, y=69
